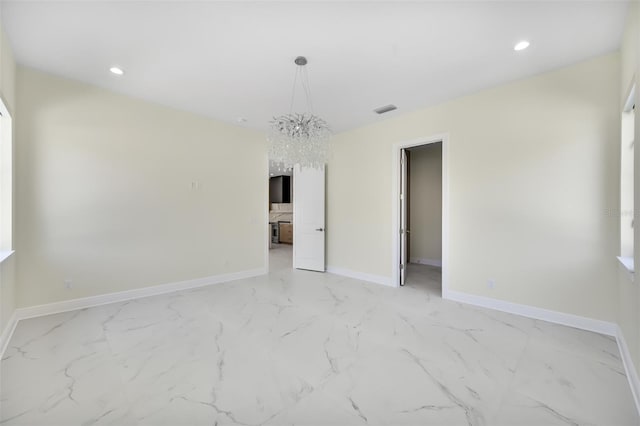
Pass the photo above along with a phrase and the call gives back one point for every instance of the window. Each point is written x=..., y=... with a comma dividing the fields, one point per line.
x=6, y=183
x=626, y=181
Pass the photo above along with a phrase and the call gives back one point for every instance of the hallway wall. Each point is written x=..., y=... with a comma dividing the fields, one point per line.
x=425, y=204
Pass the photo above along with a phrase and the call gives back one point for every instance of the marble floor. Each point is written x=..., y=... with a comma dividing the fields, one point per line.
x=304, y=348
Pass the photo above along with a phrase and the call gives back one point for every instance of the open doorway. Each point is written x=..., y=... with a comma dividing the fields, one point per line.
x=297, y=218
x=423, y=230
x=280, y=217
x=421, y=214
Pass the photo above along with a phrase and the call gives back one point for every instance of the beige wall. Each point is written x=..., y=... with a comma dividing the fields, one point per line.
x=106, y=198
x=533, y=165
x=7, y=268
x=7, y=73
x=628, y=310
x=425, y=204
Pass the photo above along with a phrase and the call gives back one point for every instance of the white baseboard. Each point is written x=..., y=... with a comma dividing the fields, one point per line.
x=122, y=296
x=589, y=324
x=7, y=333
x=378, y=279
x=422, y=261
x=627, y=361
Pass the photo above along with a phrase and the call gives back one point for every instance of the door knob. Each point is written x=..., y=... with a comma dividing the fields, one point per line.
x=320, y=229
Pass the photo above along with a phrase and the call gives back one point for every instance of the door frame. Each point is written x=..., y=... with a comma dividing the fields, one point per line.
x=403, y=197
x=266, y=205
x=395, y=206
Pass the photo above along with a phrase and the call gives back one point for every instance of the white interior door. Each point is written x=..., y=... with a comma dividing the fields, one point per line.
x=308, y=219
x=403, y=216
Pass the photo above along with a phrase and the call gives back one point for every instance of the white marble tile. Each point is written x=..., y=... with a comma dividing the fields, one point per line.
x=551, y=381
x=243, y=385
x=303, y=348
x=255, y=388
x=59, y=369
x=317, y=409
x=319, y=349
x=579, y=342
x=519, y=410
x=392, y=386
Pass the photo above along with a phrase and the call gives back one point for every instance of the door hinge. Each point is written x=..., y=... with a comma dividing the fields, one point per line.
x=401, y=266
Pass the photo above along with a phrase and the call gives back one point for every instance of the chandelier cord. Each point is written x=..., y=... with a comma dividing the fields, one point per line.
x=293, y=92
x=307, y=89
x=301, y=71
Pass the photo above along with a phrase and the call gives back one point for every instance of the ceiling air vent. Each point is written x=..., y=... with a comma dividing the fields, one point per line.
x=385, y=108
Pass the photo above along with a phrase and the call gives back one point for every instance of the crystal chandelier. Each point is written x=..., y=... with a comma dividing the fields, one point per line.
x=299, y=138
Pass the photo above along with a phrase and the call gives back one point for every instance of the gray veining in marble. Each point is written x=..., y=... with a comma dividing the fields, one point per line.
x=303, y=348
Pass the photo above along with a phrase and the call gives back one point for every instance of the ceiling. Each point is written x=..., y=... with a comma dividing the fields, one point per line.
x=232, y=60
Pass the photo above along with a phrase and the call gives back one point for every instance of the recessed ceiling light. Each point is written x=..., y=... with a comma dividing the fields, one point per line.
x=116, y=70
x=521, y=45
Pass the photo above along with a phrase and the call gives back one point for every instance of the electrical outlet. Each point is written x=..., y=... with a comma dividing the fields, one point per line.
x=491, y=283
x=68, y=284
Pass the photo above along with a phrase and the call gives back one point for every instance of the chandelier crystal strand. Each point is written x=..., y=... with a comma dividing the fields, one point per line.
x=299, y=138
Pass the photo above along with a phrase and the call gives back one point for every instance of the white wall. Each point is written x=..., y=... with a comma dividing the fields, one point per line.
x=425, y=204
x=533, y=167
x=105, y=193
